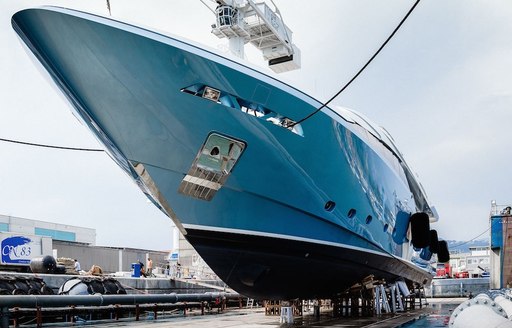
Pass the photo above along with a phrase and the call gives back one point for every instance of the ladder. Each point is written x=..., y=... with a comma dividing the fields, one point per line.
x=396, y=298
x=381, y=300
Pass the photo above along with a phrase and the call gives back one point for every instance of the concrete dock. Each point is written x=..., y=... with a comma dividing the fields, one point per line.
x=255, y=318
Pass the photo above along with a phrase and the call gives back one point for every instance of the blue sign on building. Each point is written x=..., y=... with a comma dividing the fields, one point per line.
x=174, y=256
x=16, y=250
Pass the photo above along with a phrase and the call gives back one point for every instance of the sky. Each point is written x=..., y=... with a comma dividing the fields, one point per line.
x=442, y=87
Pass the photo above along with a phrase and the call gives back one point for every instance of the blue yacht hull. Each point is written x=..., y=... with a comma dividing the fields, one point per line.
x=276, y=211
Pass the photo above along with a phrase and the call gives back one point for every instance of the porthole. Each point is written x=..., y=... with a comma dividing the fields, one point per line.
x=351, y=213
x=329, y=206
x=386, y=226
x=369, y=219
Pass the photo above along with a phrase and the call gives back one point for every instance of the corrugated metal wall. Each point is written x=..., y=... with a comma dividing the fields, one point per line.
x=108, y=258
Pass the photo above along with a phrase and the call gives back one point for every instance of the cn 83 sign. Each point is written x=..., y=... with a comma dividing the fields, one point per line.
x=19, y=249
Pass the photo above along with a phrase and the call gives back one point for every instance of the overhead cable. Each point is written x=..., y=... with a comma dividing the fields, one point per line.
x=472, y=239
x=362, y=69
x=49, y=146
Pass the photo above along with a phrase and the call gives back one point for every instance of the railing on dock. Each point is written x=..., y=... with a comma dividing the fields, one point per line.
x=70, y=306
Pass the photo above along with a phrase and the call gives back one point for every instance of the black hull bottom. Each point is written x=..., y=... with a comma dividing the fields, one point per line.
x=273, y=268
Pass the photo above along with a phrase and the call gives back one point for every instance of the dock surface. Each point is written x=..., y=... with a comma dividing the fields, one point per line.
x=255, y=318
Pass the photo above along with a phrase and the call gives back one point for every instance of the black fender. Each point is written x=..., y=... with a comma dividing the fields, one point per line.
x=443, y=255
x=434, y=242
x=420, y=230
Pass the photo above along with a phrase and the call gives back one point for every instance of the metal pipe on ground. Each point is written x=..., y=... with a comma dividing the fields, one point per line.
x=480, y=311
x=27, y=301
x=505, y=303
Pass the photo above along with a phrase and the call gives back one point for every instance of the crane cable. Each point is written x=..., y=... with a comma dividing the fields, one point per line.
x=361, y=70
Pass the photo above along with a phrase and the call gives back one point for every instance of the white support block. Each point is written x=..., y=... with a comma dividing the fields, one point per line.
x=286, y=314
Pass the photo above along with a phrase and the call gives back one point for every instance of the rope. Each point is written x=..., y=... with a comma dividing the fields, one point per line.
x=361, y=70
x=49, y=146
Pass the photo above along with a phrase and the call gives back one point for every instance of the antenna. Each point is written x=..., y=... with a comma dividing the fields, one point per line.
x=244, y=21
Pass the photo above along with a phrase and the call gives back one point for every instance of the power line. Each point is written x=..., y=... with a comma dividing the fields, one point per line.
x=362, y=69
x=49, y=146
x=472, y=239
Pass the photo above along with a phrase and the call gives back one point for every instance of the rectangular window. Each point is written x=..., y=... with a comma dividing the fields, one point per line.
x=4, y=226
x=56, y=234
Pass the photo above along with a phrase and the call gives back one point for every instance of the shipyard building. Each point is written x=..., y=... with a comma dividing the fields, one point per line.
x=23, y=239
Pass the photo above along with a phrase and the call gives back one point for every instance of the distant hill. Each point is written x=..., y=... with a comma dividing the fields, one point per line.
x=455, y=246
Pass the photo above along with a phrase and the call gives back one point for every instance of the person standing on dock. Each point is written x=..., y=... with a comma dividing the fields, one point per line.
x=77, y=266
x=149, y=271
